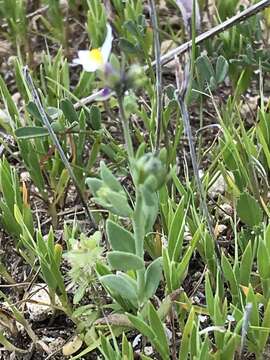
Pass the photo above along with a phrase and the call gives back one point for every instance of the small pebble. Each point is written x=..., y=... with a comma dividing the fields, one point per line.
x=219, y=187
x=40, y=295
x=148, y=350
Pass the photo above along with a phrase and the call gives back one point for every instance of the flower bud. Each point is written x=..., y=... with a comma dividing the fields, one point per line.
x=151, y=171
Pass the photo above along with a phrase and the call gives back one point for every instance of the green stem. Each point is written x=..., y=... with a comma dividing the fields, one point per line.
x=138, y=226
x=138, y=216
x=127, y=136
x=138, y=223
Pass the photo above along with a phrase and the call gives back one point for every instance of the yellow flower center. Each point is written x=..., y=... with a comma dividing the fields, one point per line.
x=95, y=55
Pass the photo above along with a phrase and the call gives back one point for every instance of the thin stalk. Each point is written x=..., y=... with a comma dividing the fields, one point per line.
x=154, y=21
x=186, y=119
x=200, y=152
x=138, y=227
x=55, y=140
x=138, y=216
x=124, y=120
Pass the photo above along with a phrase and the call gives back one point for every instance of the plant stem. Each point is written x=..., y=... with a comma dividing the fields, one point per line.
x=195, y=167
x=154, y=21
x=138, y=226
x=138, y=216
x=127, y=137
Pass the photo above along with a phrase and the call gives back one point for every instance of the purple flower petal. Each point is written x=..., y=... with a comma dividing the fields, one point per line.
x=106, y=91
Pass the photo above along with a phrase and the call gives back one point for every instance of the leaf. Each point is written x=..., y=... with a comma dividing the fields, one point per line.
x=120, y=260
x=148, y=331
x=107, y=349
x=127, y=46
x=8, y=101
x=209, y=296
x=54, y=113
x=152, y=278
x=263, y=336
x=72, y=346
x=69, y=111
x=127, y=351
x=246, y=265
x=142, y=327
x=222, y=68
x=158, y=328
x=130, y=26
x=176, y=232
x=230, y=277
x=33, y=110
x=263, y=260
x=30, y=132
x=249, y=210
x=254, y=313
x=183, y=265
x=185, y=343
x=109, y=179
x=35, y=170
x=205, y=70
x=61, y=185
x=120, y=286
x=94, y=184
x=95, y=117
x=95, y=343
x=167, y=267
x=119, y=204
x=230, y=347
x=119, y=238
x=102, y=269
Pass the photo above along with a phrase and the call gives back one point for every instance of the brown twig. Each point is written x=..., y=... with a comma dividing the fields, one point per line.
x=251, y=11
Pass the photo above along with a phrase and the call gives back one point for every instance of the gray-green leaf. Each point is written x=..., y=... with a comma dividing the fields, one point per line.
x=119, y=238
x=152, y=278
x=249, y=210
x=120, y=260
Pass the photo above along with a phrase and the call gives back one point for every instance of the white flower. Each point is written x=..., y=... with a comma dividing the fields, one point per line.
x=96, y=59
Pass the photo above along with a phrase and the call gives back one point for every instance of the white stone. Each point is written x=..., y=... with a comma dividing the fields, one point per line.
x=136, y=341
x=225, y=211
x=40, y=309
x=218, y=187
x=148, y=350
